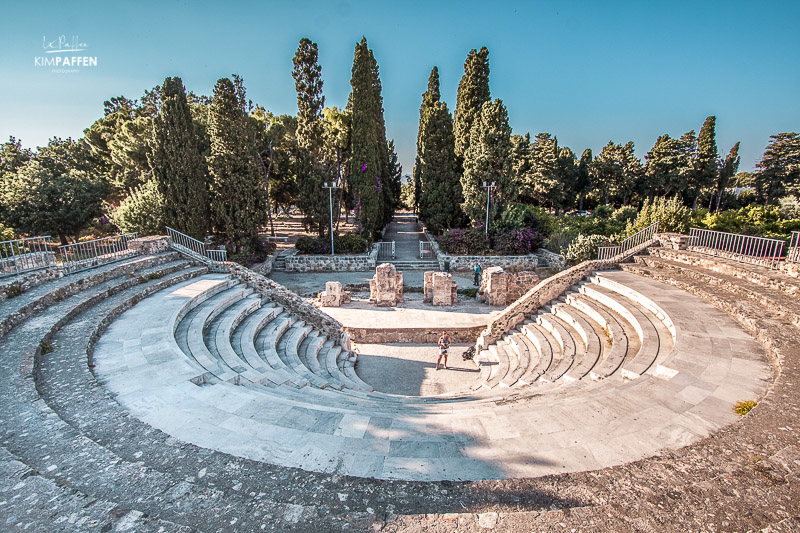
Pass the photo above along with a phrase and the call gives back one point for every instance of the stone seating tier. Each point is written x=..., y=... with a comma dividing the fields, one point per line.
x=62, y=419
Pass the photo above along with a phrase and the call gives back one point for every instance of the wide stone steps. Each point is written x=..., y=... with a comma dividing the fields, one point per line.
x=146, y=449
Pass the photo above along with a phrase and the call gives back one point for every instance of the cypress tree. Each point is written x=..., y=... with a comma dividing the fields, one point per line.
x=179, y=168
x=473, y=91
x=440, y=198
x=429, y=97
x=238, y=204
x=311, y=175
x=370, y=158
x=583, y=184
x=488, y=159
x=395, y=174
x=707, y=156
x=727, y=169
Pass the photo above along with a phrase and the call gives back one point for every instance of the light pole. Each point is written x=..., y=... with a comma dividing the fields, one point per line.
x=488, y=186
x=330, y=187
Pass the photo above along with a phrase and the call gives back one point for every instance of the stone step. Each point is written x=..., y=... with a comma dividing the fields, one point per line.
x=267, y=346
x=14, y=311
x=655, y=340
x=590, y=332
x=244, y=337
x=290, y=352
x=542, y=342
x=503, y=354
x=565, y=341
x=220, y=336
x=622, y=345
x=525, y=356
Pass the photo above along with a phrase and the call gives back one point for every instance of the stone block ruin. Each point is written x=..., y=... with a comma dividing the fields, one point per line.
x=440, y=289
x=501, y=288
x=386, y=287
x=333, y=295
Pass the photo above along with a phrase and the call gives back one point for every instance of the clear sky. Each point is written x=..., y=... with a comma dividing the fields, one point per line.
x=587, y=72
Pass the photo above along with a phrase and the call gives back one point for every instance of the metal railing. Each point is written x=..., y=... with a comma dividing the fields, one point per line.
x=743, y=248
x=631, y=245
x=22, y=255
x=426, y=250
x=793, y=253
x=87, y=254
x=191, y=246
x=385, y=249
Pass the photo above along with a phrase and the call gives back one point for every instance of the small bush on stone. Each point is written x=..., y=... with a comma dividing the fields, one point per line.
x=14, y=290
x=584, y=248
x=744, y=407
x=46, y=348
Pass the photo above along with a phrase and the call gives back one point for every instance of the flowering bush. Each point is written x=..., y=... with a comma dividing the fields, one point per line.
x=520, y=241
x=470, y=241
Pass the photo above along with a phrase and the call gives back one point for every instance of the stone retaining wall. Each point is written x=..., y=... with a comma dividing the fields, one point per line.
x=16, y=285
x=296, y=262
x=150, y=245
x=675, y=241
x=413, y=335
x=544, y=291
x=324, y=323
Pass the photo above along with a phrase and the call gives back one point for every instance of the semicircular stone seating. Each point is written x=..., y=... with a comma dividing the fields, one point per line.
x=210, y=395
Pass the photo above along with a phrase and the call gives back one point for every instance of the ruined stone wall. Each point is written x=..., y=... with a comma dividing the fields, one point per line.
x=150, y=245
x=544, y=291
x=675, y=241
x=502, y=288
x=324, y=323
x=414, y=335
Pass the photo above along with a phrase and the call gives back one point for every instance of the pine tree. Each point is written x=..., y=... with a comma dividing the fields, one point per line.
x=779, y=168
x=369, y=154
x=488, y=159
x=473, y=91
x=429, y=97
x=311, y=173
x=238, y=202
x=178, y=167
x=567, y=173
x=440, y=198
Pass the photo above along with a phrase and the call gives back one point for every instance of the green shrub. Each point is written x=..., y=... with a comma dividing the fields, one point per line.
x=624, y=214
x=744, y=407
x=559, y=240
x=347, y=244
x=141, y=211
x=6, y=233
x=584, y=248
x=521, y=241
x=46, y=348
x=671, y=215
x=603, y=211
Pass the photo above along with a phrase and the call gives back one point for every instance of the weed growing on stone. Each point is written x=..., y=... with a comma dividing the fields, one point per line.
x=155, y=275
x=13, y=291
x=46, y=347
x=743, y=407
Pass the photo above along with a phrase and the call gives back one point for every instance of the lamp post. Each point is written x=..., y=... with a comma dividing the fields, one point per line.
x=330, y=187
x=488, y=186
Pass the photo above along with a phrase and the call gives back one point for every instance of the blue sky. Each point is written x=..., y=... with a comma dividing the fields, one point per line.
x=587, y=72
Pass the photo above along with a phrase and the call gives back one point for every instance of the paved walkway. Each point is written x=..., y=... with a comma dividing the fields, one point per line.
x=406, y=233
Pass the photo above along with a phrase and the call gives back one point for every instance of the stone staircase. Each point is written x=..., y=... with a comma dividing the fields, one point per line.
x=151, y=395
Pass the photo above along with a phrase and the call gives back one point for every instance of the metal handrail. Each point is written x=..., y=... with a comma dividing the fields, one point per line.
x=87, y=254
x=386, y=249
x=425, y=249
x=629, y=246
x=793, y=253
x=22, y=255
x=191, y=246
x=743, y=248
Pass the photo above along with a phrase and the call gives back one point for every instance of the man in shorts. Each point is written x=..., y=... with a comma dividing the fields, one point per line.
x=444, y=344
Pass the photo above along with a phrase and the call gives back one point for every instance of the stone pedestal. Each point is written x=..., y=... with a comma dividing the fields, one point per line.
x=386, y=287
x=440, y=289
x=153, y=244
x=502, y=288
x=333, y=295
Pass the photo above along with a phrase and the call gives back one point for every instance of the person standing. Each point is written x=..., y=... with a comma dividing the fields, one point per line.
x=444, y=344
x=477, y=280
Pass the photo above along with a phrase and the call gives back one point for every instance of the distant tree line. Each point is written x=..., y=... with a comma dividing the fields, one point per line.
x=457, y=154
x=211, y=164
